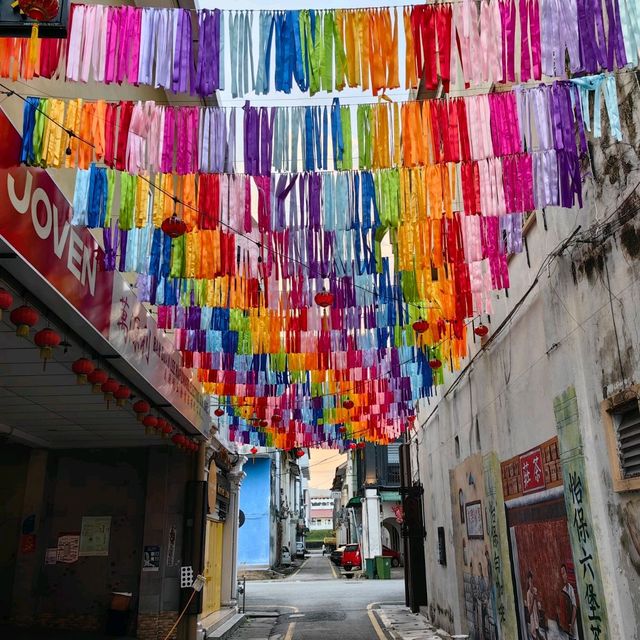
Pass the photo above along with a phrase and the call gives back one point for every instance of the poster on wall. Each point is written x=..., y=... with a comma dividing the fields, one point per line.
x=171, y=547
x=547, y=601
x=68, y=547
x=473, y=517
x=27, y=543
x=151, y=558
x=94, y=535
x=51, y=555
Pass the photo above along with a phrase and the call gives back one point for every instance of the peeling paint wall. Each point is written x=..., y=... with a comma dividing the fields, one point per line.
x=580, y=328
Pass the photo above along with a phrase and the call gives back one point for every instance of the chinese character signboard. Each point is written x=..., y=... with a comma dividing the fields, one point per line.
x=531, y=471
x=536, y=470
x=499, y=548
x=593, y=610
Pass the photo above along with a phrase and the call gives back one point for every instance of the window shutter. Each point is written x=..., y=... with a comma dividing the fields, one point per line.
x=393, y=453
x=628, y=428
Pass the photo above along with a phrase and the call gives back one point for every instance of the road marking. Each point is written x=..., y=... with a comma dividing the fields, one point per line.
x=297, y=615
x=335, y=575
x=289, y=634
x=374, y=621
x=297, y=571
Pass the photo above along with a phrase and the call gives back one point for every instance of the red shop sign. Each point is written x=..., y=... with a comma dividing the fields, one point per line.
x=532, y=472
x=35, y=219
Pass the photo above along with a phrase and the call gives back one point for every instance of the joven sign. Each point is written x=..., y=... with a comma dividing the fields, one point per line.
x=35, y=219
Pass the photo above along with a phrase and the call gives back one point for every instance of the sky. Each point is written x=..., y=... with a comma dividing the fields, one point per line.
x=322, y=467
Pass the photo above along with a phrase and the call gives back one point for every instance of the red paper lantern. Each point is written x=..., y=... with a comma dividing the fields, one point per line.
x=420, y=326
x=324, y=298
x=362, y=445
x=275, y=418
x=253, y=450
x=166, y=429
x=160, y=422
x=342, y=429
x=24, y=318
x=6, y=300
x=141, y=407
x=299, y=453
x=97, y=378
x=177, y=439
x=348, y=404
x=352, y=445
x=109, y=388
x=149, y=422
x=122, y=394
x=82, y=367
x=47, y=340
x=40, y=10
x=174, y=227
x=264, y=423
x=435, y=363
x=481, y=330
x=219, y=412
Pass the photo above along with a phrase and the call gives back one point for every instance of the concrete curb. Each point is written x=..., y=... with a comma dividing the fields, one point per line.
x=401, y=624
x=227, y=627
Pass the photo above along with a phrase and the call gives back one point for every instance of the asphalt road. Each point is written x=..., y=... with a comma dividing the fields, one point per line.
x=317, y=603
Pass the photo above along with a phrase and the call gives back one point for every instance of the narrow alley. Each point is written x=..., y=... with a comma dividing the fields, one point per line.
x=318, y=601
x=320, y=320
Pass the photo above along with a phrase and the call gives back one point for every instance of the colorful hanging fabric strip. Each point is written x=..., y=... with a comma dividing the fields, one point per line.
x=144, y=137
x=331, y=49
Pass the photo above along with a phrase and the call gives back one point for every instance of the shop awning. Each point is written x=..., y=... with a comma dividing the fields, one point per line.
x=390, y=496
x=356, y=501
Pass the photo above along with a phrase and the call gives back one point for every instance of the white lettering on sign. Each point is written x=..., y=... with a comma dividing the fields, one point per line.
x=81, y=260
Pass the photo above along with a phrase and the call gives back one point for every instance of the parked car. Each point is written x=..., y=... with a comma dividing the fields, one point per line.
x=351, y=558
x=285, y=556
x=336, y=556
x=396, y=558
x=301, y=550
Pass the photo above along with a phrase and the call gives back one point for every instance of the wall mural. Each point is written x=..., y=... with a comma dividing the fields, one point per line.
x=473, y=550
x=576, y=496
x=547, y=601
x=499, y=544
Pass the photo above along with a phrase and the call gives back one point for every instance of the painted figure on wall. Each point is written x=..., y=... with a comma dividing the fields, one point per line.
x=533, y=609
x=567, y=612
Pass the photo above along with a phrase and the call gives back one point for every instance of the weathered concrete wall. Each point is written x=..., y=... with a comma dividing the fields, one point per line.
x=580, y=328
x=61, y=488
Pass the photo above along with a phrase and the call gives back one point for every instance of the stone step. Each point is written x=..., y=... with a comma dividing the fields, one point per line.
x=227, y=627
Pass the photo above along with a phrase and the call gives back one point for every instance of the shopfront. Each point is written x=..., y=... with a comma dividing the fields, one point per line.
x=99, y=425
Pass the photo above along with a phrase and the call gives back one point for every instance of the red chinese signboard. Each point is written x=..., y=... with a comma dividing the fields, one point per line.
x=531, y=471
x=35, y=219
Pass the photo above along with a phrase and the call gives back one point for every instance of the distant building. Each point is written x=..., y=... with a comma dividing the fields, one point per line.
x=321, y=512
x=273, y=501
